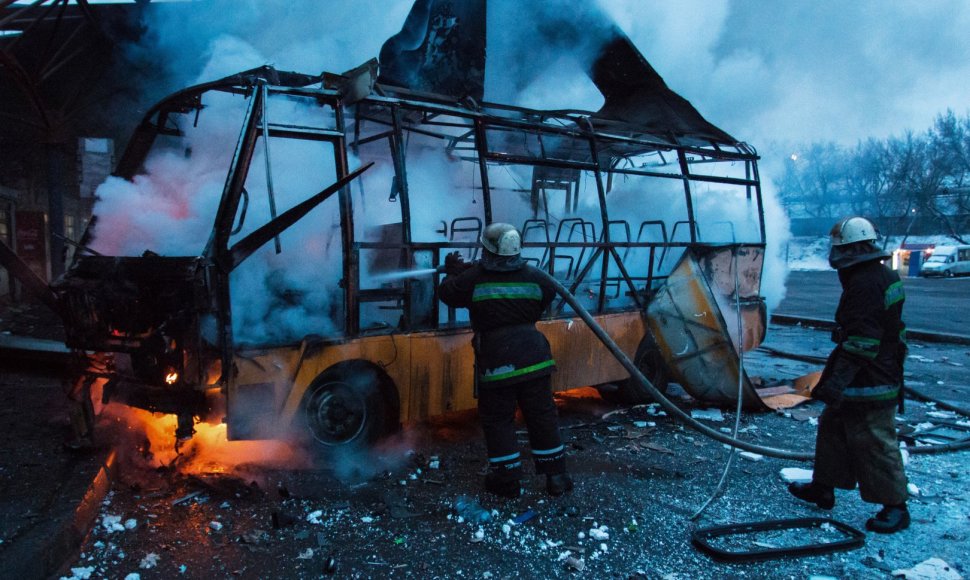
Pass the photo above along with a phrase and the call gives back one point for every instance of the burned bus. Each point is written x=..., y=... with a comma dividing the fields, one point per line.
x=267, y=252
x=309, y=304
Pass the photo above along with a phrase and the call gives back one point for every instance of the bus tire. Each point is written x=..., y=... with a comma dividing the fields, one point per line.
x=651, y=363
x=351, y=404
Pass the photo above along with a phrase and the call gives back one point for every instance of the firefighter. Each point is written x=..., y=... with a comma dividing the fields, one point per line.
x=862, y=384
x=513, y=362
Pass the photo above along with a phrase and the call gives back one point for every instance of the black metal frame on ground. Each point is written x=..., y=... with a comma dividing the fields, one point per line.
x=702, y=537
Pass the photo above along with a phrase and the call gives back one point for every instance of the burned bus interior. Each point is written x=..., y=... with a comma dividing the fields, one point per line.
x=443, y=170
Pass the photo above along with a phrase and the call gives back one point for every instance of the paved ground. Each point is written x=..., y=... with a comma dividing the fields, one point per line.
x=636, y=487
x=43, y=517
x=932, y=304
x=392, y=514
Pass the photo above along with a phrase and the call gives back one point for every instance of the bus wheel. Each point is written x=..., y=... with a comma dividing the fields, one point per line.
x=351, y=403
x=651, y=363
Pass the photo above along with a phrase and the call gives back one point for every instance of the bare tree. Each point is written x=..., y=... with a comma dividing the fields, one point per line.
x=917, y=175
x=869, y=184
x=950, y=142
x=815, y=180
x=919, y=172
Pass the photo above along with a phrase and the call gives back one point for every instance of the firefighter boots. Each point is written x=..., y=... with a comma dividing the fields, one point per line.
x=820, y=495
x=558, y=483
x=889, y=520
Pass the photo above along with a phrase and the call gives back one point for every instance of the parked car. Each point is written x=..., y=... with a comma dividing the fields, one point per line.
x=948, y=261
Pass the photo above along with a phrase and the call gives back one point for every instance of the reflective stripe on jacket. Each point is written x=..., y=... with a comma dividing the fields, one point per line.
x=867, y=364
x=504, y=307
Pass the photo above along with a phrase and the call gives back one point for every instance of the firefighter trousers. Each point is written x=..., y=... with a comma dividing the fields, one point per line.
x=859, y=446
x=496, y=410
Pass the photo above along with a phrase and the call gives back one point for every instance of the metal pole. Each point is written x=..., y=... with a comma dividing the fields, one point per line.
x=269, y=167
x=685, y=172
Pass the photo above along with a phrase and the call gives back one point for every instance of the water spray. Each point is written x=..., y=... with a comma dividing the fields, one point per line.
x=402, y=274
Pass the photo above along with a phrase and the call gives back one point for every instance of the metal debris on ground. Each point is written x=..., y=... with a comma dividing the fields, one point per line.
x=714, y=415
x=777, y=539
x=796, y=475
x=186, y=498
x=656, y=447
x=931, y=569
x=805, y=414
x=254, y=537
x=575, y=563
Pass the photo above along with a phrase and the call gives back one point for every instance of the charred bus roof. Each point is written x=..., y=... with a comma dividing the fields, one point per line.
x=615, y=138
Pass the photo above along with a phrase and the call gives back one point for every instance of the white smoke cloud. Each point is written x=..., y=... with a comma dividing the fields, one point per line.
x=304, y=36
x=768, y=73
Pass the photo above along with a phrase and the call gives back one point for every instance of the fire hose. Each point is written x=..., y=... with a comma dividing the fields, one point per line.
x=646, y=390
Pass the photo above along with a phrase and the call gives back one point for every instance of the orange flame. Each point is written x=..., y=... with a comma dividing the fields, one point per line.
x=171, y=377
x=209, y=450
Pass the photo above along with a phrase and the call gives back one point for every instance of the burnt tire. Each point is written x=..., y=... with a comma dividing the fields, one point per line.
x=351, y=404
x=651, y=363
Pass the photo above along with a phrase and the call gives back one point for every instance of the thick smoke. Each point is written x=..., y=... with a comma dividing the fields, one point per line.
x=781, y=74
x=832, y=71
x=770, y=74
x=687, y=32
x=277, y=298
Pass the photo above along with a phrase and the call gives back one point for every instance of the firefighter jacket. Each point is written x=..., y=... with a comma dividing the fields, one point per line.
x=866, y=367
x=504, y=307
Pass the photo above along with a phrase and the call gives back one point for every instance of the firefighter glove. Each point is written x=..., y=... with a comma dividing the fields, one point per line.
x=455, y=264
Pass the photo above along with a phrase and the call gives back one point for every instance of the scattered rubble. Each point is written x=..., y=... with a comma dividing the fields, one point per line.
x=639, y=476
x=931, y=569
x=713, y=414
x=149, y=561
x=796, y=475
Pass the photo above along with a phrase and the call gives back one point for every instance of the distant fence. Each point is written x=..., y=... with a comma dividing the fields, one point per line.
x=923, y=225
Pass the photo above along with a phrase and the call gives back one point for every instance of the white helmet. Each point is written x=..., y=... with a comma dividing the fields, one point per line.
x=851, y=230
x=502, y=239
